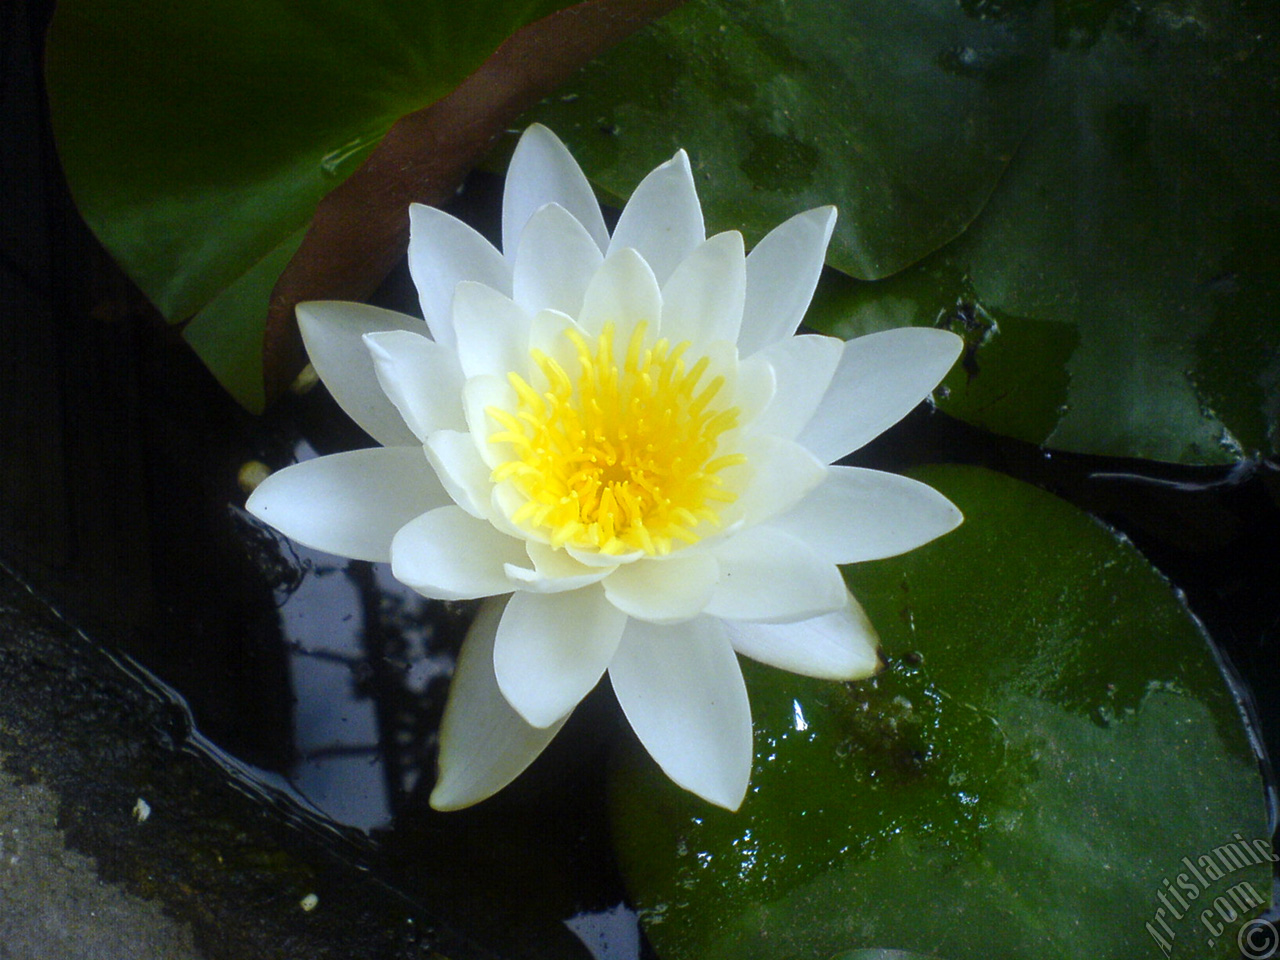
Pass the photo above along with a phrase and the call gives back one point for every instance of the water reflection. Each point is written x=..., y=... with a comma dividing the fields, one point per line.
x=365, y=665
x=335, y=728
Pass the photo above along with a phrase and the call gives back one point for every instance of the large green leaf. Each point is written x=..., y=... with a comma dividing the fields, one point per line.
x=903, y=114
x=1120, y=291
x=198, y=137
x=1052, y=737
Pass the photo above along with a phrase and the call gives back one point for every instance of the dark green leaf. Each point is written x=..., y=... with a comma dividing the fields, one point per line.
x=1051, y=738
x=198, y=138
x=1120, y=290
x=904, y=115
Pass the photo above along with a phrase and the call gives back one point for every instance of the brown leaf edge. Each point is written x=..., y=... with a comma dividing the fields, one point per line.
x=361, y=228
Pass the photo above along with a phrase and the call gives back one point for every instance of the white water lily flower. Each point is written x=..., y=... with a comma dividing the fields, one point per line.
x=627, y=450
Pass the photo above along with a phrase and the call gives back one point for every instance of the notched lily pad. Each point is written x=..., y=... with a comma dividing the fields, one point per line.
x=1052, y=736
x=904, y=115
x=1130, y=246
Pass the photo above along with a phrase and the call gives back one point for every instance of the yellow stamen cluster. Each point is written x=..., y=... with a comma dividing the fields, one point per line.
x=618, y=458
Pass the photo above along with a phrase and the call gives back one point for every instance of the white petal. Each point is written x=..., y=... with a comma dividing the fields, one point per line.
x=492, y=331
x=782, y=273
x=421, y=378
x=507, y=499
x=554, y=571
x=857, y=514
x=663, y=219
x=835, y=646
x=881, y=378
x=593, y=558
x=702, y=300
x=444, y=251
x=623, y=292
x=552, y=648
x=754, y=387
x=447, y=554
x=478, y=394
x=543, y=171
x=465, y=476
x=769, y=576
x=547, y=334
x=669, y=590
x=803, y=367
x=332, y=332
x=782, y=474
x=484, y=743
x=556, y=260
x=352, y=503
x=682, y=691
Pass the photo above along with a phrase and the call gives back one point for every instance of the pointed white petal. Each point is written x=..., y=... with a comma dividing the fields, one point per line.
x=702, y=300
x=484, y=743
x=623, y=292
x=444, y=251
x=856, y=515
x=448, y=554
x=754, y=388
x=682, y=691
x=556, y=260
x=881, y=378
x=543, y=171
x=835, y=646
x=669, y=590
x=554, y=571
x=464, y=475
x=803, y=367
x=663, y=219
x=531, y=581
x=771, y=577
x=782, y=273
x=782, y=473
x=478, y=394
x=332, y=332
x=420, y=378
x=552, y=648
x=492, y=331
x=547, y=334
x=507, y=499
x=593, y=558
x=352, y=503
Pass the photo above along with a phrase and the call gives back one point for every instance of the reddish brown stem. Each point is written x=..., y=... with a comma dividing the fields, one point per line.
x=361, y=229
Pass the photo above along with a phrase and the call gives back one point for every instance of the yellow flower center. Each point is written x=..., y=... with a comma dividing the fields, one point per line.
x=618, y=458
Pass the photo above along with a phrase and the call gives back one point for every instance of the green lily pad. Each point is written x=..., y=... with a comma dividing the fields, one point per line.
x=904, y=115
x=1120, y=290
x=1051, y=739
x=198, y=138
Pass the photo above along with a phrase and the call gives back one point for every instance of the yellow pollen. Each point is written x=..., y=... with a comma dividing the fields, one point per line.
x=618, y=458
